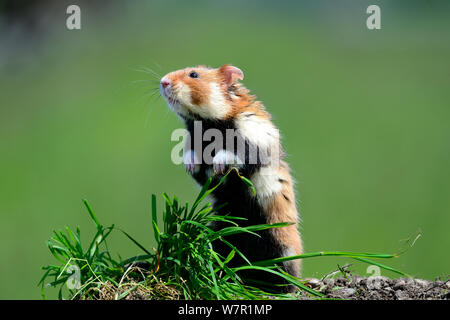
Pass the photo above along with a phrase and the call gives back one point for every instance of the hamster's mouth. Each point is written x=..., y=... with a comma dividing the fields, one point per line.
x=172, y=100
x=168, y=95
x=174, y=104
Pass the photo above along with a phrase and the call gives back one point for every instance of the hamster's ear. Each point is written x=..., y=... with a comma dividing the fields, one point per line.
x=230, y=74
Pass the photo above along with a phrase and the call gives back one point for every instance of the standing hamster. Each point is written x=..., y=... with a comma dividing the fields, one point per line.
x=214, y=104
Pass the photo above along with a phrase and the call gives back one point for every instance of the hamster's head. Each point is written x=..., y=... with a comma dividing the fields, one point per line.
x=201, y=92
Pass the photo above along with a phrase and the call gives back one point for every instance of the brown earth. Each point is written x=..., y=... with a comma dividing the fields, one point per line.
x=355, y=287
x=332, y=286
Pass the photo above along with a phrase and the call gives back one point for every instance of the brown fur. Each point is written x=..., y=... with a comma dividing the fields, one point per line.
x=281, y=207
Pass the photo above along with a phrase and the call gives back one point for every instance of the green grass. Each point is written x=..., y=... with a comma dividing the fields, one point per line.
x=183, y=263
x=363, y=116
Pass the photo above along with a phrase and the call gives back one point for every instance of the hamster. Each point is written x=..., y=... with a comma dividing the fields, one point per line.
x=214, y=100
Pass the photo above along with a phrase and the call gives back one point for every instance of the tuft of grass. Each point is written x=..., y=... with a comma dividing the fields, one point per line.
x=183, y=264
x=80, y=268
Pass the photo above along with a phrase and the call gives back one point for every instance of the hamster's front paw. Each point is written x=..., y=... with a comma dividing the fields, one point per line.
x=222, y=161
x=191, y=162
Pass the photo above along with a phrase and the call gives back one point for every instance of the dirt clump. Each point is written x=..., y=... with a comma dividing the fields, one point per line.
x=354, y=287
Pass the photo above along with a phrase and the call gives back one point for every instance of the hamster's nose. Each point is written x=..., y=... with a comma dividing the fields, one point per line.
x=165, y=82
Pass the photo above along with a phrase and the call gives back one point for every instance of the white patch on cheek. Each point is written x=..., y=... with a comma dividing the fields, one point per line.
x=217, y=107
x=183, y=94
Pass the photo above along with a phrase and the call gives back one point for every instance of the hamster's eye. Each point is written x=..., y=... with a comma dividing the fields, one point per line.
x=193, y=74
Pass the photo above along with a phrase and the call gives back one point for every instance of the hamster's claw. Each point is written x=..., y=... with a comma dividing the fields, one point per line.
x=190, y=168
x=190, y=162
x=222, y=160
x=219, y=168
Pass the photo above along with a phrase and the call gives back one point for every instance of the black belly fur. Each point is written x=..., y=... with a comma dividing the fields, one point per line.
x=235, y=198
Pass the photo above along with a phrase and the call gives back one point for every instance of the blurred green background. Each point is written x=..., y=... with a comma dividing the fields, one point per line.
x=365, y=119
